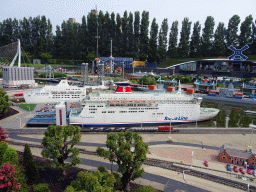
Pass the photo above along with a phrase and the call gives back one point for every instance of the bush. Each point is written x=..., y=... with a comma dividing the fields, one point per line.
x=102, y=169
x=3, y=147
x=146, y=189
x=42, y=187
x=11, y=156
x=31, y=171
x=8, y=180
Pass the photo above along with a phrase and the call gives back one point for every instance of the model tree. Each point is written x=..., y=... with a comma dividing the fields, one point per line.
x=4, y=102
x=59, y=142
x=127, y=158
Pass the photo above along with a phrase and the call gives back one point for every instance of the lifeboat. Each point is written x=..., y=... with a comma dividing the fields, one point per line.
x=128, y=101
x=141, y=101
x=152, y=101
x=114, y=101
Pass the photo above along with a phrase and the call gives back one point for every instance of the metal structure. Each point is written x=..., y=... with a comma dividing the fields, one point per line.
x=49, y=72
x=111, y=58
x=84, y=73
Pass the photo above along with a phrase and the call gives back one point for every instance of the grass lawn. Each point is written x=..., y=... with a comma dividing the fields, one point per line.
x=26, y=106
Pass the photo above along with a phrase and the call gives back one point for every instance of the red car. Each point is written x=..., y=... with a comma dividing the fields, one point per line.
x=242, y=170
x=206, y=163
x=249, y=171
x=235, y=169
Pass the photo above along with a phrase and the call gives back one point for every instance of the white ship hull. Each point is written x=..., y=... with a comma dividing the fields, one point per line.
x=114, y=110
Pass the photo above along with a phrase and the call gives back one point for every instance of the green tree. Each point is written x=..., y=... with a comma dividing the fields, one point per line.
x=146, y=189
x=35, y=34
x=152, y=52
x=136, y=35
x=3, y=147
x=31, y=171
x=232, y=37
x=124, y=38
x=147, y=80
x=219, y=45
x=92, y=32
x=183, y=49
x=233, y=118
x=195, y=43
x=207, y=36
x=4, y=102
x=144, y=36
x=253, y=39
x=83, y=41
x=11, y=156
x=130, y=51
x=25, y=25
x=245, y=31
x=162, y=40
x=129, y=160
x=59, y=142
x=94, y=182
x=118, y=37
x=173, y=39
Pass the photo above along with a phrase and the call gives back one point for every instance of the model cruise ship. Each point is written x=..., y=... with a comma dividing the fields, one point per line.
x=62, y=91
x=124, y=108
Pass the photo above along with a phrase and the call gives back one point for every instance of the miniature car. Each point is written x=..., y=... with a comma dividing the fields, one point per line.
x=249, y=171
x=235, y=169
x=229, y=168
x=206, y=163
x=242, y=170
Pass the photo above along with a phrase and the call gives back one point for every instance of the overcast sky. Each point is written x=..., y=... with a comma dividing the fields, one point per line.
x=195, y=10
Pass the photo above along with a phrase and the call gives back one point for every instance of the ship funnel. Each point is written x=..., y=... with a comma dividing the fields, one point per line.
x=179, y=88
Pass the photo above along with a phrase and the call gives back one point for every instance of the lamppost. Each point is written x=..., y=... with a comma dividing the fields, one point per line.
x=20, y=120
x=29, y=110
x=191, y=166
x=184, y=174
x=202, y=145
x=251, y=126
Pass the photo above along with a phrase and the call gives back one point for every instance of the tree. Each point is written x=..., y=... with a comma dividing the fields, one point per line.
x=136, y=34
x=88, y=181
x=130, y=51
x=232, y=37
x=152, y=52
x=4, y=102
x=146, y=189
x=59, y=144
x=31, y=171
x=129, y=160
x=219, y=45
x=162, y=47
x=207, y=36
x=195, y=43
x=183, y=49
x=11, y=156
x=245, y=31
x=3, y=147
x=144, y=36
x=233, y=118
x=253, y=41
x=173, y=38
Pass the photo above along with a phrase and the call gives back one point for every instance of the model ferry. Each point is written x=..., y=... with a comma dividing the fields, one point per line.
x=63, y=90
x=124, y=108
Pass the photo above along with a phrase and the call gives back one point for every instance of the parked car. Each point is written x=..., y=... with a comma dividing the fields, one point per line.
x=229, y=168
x=235, y=169
x=254, y=173
x=242, y=170
x=206, y=163
x=249, y=171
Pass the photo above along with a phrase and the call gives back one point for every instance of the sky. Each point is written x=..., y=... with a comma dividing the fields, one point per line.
x=195, y=10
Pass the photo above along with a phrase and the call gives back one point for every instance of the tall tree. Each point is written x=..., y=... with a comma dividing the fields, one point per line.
x=162, y=48
x=253, y=42
x=92, y=32
x=106, y=35
x=173, y=41
x=125, y=43
x=219, y=45
x=118, y=37
x=207, y=36
x=25, y=26
x=101, y=43
x=195, y=43
x=35, y=34
x=183, y=49
x=144, y=36
x=245, y=31
x=4, y=102
x=49, y=37
x=152, y=52
x=232, y=37
x=136, y=35
x=130, y=50
x=83, y=39
x=42, y=34
x=58, y=49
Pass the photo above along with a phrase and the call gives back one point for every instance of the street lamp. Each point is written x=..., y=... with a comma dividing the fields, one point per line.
x=191, y=166
x=20, y=120
x=29, y=110
x=184, y=174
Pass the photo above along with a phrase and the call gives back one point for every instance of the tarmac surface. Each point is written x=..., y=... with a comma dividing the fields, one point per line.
x=179, y=152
